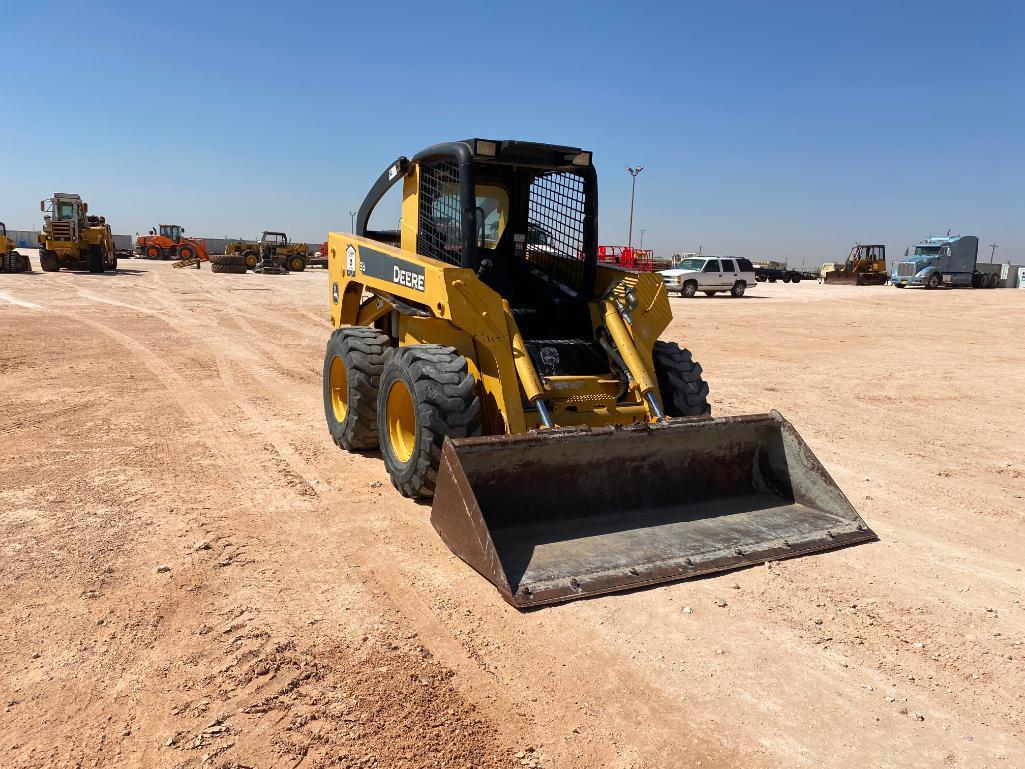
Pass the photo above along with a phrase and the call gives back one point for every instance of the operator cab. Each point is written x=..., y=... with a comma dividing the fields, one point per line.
x=274, y=239
x=523, y=217
x=171, y=231
x=867, y=253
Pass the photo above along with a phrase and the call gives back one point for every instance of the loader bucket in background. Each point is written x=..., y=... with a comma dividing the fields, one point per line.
x=562, y=514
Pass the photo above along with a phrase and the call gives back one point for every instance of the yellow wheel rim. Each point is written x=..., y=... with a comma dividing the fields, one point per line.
x=251, y=260
x=401, y=421
x=339, y=384
x=297, y=263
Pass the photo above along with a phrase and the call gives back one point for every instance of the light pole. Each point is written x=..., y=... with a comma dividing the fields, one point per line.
x=352, y=221
x=642, y=238
x=633, y=188
x=992, y=251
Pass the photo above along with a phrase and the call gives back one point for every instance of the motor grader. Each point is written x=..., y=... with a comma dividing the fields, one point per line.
x=72, y=238
x=167, y=241
x=865, y=266
x=11, y=260
x=522, y=384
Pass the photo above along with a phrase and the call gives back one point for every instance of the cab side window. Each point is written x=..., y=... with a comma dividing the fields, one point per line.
x=712, y=265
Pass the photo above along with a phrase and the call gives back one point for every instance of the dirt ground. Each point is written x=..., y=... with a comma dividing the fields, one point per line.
x=191, y=574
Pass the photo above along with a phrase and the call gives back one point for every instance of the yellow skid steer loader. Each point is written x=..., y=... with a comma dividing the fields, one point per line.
x=501, y=369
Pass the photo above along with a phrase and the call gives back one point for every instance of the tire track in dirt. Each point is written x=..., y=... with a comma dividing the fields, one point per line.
x=419, y=723
x=458, y=647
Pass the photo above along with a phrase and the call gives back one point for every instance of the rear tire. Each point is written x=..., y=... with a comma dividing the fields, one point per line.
x=738, y=289
x=992, y=280
x=48, y=261
x=796, y=279
x=684, y=393
x=689, y=289
x=97, y=258
x=352, y=373
x=426, y=395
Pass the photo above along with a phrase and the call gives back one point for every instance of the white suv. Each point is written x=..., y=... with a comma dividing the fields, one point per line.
x=710, y=274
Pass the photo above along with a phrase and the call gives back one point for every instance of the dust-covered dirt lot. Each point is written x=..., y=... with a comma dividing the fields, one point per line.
x=191, y=574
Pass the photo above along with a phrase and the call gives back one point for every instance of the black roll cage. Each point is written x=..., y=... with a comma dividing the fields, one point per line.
x=547, y=157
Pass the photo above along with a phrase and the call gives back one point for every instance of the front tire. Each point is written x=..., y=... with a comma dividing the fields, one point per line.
x=738, y=289
x=426, y=395
x=97, y=258
x=297, y=264
x=250, y=259
x=933, y=281
x=48, y=261
x=353, y=365
x=684, y=393
x=689, y=289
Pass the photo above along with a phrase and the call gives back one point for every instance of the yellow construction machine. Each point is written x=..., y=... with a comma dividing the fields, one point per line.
x=11, y=260
x=499, y=367
x=865, y=266
x=272, y=247
x=72, y=238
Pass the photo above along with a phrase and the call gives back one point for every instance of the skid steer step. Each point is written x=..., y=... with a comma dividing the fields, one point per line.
x=563, y=514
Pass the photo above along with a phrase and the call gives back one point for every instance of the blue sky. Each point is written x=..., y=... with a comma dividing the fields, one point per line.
x=781, y=130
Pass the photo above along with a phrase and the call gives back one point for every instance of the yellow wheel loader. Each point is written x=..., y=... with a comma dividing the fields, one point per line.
x=501, y=369
x=73, y=238
x=11, y=260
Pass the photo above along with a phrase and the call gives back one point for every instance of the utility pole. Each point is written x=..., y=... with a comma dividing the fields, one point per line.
x=992, y=251
x=352, y=221
x=633, y=188
x=642, y=238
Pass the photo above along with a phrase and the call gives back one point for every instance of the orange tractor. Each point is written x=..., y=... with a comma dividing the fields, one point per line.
x=168, y=241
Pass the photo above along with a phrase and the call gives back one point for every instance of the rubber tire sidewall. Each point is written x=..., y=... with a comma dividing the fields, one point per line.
x=401, y=472
x=96, y=259
x=738, y=289
x=346, y=434
x=49, y=261
x=688, y=289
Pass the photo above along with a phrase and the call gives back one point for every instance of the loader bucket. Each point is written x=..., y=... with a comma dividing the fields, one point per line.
x=561, y=514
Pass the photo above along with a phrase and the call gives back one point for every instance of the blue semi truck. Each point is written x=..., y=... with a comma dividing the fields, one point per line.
x=951, y=260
